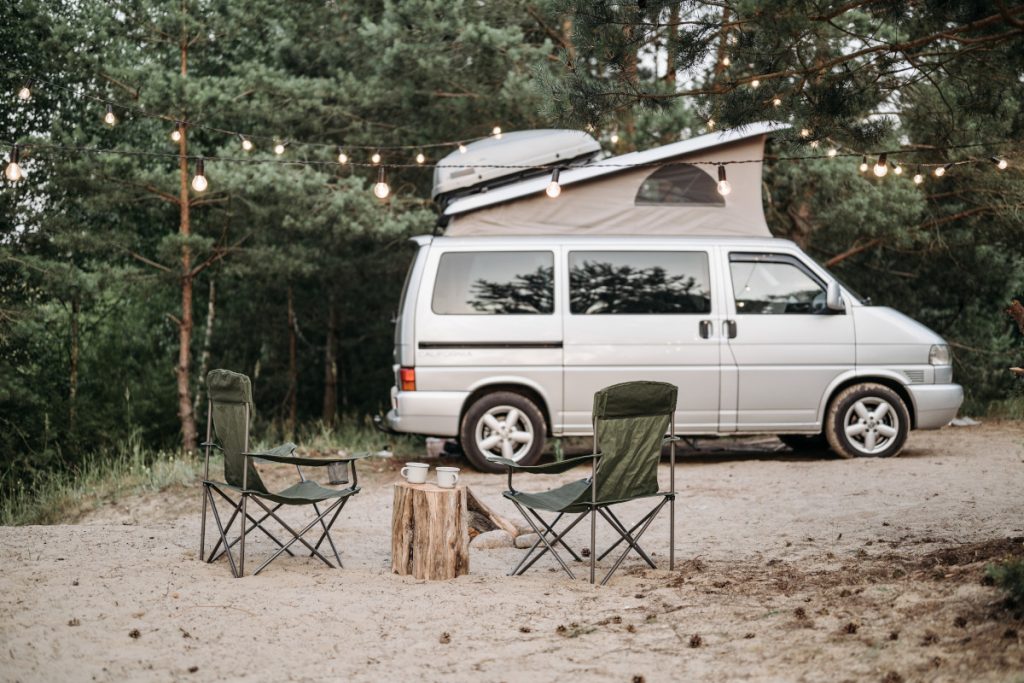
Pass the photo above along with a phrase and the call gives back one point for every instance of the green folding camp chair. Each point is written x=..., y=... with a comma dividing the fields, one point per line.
x=630, y=422
x=230, y=412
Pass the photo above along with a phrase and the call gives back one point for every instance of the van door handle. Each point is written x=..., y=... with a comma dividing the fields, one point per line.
x=730, y=329
x=705, y=329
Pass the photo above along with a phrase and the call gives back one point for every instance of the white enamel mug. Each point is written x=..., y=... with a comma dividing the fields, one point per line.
x=415, y=472
x=447, y=477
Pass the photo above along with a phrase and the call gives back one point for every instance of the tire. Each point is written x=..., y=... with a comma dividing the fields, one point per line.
x=805, y=443
x=867, y=421
x=482, y=431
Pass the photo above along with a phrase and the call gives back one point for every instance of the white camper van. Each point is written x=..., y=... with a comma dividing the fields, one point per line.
x=503, y=334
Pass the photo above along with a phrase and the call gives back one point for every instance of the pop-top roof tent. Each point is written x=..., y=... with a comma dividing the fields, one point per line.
x=660, y=191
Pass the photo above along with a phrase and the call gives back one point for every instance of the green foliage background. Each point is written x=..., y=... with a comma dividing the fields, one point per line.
x=75, y=238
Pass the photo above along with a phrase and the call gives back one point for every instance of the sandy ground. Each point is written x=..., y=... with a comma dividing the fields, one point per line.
x=789, y=568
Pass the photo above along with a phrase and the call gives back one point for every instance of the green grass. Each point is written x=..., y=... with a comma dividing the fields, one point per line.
x=65, y=495
x=1009, y=576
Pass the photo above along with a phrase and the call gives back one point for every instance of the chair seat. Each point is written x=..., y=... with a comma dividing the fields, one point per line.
x=555, y=500
x=302, y=493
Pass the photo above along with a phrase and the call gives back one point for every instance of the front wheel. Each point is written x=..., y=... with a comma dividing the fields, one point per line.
x=867, y=420
x=503, y=423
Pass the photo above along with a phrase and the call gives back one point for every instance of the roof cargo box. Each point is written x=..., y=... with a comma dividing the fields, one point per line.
x=481, y=166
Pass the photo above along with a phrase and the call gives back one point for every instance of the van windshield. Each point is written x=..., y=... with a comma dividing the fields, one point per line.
x=864, y=301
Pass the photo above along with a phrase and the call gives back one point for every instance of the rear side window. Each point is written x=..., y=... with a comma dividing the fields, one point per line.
x=495, y=283
x=638, y=282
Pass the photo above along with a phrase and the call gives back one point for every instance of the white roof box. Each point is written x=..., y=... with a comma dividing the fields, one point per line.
x=475, y=168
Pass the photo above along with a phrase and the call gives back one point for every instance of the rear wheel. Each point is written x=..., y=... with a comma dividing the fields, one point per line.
x=502, y=423
x=867, y=420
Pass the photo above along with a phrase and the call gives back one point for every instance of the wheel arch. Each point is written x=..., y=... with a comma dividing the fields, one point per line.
x=889, y=380
x=520, y=386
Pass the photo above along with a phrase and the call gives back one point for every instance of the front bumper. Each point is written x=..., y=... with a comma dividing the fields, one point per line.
x=935, y=404
x=431, y=413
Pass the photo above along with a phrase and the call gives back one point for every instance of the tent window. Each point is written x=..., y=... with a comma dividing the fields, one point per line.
x=679, y=185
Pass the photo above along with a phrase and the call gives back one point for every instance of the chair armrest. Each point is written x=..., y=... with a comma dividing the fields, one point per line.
x=551, y=468
x=210, y=443
x=282, y=454
x=670, y=439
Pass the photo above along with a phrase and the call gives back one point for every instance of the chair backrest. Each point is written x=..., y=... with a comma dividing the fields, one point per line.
x=630, y=423
x=231, y=410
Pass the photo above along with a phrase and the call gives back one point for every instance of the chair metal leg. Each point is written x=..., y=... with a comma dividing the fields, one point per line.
x=256, y=524
x=649, y=518
x=593, y=542
x=544, y=539
x=551, y=529
x=241, y=545
x=556, y=539
x=298, y=537
x=202, y=526
x=223, y=536
x=327, y=534
x=624, y=535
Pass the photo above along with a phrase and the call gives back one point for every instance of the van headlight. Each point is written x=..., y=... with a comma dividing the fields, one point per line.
x=939, y=355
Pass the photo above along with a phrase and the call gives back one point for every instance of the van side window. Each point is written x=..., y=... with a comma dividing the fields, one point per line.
x=495, y=283
x=774, y=287
x=679, y=185
x=616, y=282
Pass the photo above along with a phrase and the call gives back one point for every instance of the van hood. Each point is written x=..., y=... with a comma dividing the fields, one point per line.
x=883, y=325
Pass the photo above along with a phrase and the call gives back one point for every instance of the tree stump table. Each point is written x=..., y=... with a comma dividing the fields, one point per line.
x=429, y=531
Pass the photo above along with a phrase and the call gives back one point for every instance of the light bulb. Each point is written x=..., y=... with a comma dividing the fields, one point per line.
x=724, y=187
x=832, y=152
x=918, y=178
x=726, y=61
x=496, y=132
x=863, y=168
x=711, y=124
x=109, y=117
x=279, y=148
x=342, y=157
x=554, y=189
x=13, y=171
x=755, y=83
x=614, y=139
x=940, y=171
x=897, y=169
x=1001, y=164
x=381, y=189
x=881, y=167
x=199, y=183
x=246, y=143
x=375, y=158
x=420, y=158
x=805, y=133
x=25, y=93
x=776, y=101
x=176, y=133
x=814, y=144
x=462, y=148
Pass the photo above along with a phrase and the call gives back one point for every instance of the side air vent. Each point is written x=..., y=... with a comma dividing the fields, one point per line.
x=915, y=376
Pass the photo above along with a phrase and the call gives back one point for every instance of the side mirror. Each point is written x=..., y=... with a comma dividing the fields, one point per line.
x=834, y=297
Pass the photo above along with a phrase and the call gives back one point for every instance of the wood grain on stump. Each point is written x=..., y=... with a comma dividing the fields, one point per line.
x=429, y=531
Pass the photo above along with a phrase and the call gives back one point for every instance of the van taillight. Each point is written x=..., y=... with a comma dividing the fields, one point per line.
x=408, y=378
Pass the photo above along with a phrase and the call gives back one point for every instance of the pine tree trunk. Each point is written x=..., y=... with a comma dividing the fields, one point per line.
x=723, y=47
x=76, y=308
x=293, y=366
x=184, y=367
x=204, y=357
x=331, y=365
x=672, y=45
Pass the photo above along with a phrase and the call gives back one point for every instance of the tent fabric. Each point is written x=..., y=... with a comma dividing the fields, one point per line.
x=605, y=204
